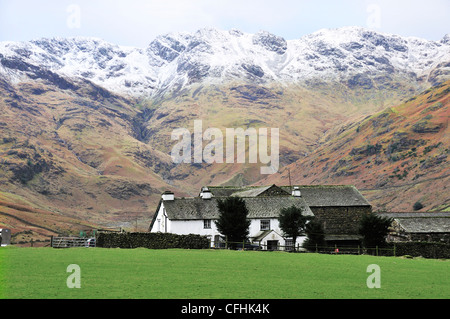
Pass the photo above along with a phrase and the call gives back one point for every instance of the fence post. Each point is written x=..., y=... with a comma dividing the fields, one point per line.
x=359, y=252
x=376, y=249
x=395, y=255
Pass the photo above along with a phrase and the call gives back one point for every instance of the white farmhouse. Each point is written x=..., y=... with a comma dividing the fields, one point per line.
x=339, y=208
x=197, y=215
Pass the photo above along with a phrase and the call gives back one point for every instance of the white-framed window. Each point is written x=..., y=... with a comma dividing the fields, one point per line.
x=207, y=223
x=265, y=224
x=289, y=243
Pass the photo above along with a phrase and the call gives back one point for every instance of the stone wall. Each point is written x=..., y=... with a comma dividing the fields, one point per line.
x=152, y=241
x=340, y=220
x=422, y=249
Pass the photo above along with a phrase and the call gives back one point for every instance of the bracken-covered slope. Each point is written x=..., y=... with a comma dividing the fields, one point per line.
x=74, y=152
x=396, y=157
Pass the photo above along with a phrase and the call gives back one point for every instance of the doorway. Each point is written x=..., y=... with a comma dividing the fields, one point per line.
x=272, y=245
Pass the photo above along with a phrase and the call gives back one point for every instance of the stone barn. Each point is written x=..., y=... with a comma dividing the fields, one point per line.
x=414, y=226
x=340, y=209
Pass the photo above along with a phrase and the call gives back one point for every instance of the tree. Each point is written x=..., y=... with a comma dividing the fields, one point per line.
x=374, y=229
x=233, y=222
x=292, y=222
x=315, y=235
x=417, y=206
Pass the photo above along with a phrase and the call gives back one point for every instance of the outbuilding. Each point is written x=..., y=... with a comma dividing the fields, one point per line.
x=414, y=226
x=5, y=236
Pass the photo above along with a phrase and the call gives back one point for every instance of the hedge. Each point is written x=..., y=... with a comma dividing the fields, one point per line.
x=152, y=241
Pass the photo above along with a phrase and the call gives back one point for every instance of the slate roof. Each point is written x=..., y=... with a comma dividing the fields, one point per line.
x=225, y=191
x=258, y=207
x=263, y=233
x=314, y=195
x=414, y=214
x=425, y=224
x=251, y=192
x=331, y=195
x=413, y=222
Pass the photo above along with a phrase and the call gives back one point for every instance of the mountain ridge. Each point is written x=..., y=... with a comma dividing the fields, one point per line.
x=175, y=60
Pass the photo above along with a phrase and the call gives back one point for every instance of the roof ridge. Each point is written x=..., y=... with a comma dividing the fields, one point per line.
x=249, y=186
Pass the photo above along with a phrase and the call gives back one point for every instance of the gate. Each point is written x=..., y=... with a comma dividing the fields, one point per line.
x=68, y=242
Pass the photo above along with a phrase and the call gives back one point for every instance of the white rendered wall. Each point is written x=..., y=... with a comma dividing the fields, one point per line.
x=186, y=227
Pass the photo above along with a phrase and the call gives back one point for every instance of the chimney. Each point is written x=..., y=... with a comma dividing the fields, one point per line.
x=205, y=193
x=168, y=195
x=296, y=192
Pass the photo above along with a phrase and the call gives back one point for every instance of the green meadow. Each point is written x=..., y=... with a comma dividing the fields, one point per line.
x=42, y=273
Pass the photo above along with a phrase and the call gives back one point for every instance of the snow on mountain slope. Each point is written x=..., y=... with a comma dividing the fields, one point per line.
x=351, y=54
x=120, y=69
x=351, y=51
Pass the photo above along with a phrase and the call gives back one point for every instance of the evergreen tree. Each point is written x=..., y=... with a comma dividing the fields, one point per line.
x=374, y=229
x=233, y=222
x=315, y=235
x=292, y=222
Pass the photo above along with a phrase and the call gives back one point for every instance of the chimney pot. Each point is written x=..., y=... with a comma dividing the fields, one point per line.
x=205, y=193
x=168, y=195
x=296, y=192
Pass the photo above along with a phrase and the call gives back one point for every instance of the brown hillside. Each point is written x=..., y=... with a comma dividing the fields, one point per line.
x=395, y=157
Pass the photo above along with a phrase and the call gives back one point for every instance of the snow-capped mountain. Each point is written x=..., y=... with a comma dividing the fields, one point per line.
x=351, y=55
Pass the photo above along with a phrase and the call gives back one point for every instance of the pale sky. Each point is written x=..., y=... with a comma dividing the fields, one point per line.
x=138, y=22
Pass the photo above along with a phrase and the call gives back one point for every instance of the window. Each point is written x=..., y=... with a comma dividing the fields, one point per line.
x=289, y=245
x=207, y=223
x=265, y=224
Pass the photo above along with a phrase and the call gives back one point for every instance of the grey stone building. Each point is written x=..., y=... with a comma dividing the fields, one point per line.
x=414, y=226
x=339, y=208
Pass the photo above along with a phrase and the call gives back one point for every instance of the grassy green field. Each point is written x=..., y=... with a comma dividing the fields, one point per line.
x=209, y=274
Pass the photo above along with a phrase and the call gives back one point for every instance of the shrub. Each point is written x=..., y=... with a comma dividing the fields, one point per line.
x=417, y=206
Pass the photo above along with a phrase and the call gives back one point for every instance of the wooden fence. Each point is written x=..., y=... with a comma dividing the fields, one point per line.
x=356, y=250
